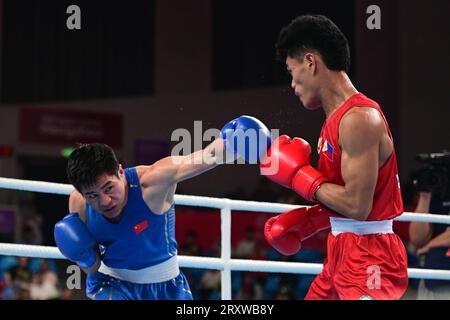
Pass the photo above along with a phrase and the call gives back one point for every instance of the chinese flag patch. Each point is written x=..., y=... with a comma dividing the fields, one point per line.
x=141, y=226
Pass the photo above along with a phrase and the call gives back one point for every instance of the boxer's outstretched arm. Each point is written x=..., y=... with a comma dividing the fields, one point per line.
x=174, y=169
x=360, y=135
x=198, y=162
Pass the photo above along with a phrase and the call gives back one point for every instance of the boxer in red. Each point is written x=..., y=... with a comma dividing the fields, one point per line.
x=356, y=186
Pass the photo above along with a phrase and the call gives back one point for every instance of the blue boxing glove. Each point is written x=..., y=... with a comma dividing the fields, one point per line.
x=247, y=137
x=75, y=241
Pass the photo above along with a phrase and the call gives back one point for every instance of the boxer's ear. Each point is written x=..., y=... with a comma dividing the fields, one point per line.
x=310, y=60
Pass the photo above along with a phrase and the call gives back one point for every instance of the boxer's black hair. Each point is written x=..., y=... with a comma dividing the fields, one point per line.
x=314, y=33
x=88, y=162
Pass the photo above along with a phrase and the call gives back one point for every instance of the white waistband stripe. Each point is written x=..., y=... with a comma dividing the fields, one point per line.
x=342, y=225
x=164, y=271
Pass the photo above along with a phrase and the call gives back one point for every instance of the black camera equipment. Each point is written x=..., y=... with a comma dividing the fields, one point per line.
x=434, y=175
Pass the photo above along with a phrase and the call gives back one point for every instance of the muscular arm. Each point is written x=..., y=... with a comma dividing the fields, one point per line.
x=442, y=240
x=360, y=134
x=420, y=232
x=174, y=169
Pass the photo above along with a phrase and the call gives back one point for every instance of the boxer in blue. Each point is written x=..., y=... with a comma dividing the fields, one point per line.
x=121, y=225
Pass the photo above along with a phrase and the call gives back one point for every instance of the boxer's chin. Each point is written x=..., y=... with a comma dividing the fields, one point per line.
x=113, y=212
x=310, y=105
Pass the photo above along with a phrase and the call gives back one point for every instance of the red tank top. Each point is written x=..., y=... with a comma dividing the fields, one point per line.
x=387, y=201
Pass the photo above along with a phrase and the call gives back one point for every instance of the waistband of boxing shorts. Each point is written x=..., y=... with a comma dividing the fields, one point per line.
x=161, y=272
x=342, y=225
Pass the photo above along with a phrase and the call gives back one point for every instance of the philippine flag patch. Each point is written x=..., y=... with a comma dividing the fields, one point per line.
x=141, y=226
x=328, y=150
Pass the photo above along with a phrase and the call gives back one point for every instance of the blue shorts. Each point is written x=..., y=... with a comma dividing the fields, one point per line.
x=104, y=287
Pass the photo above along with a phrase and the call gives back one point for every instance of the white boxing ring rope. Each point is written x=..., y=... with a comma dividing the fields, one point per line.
x=225, y=264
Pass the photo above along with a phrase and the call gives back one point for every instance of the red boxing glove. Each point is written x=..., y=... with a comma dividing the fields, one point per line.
x=286, y=231
x=287, y=163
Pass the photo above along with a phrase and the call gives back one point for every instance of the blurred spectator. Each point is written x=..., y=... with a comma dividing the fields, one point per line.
x=35, y=288
x=22, y=292
x=31, y=224
x=246, y=247
x=6, y=287
x=21, y=276
x=433, y=243
x=44, y=285
x=190, y=245
x=250, y=289
x=285, y=293
x=31, y=231
x=210, y=285
x=214, y=250
x=21, y=273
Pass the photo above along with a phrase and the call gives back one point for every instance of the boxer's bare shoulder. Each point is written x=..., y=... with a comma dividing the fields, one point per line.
x=142, y=173
x=364, y=126
x=78, y=204
x=362, y=119
x=157, y=190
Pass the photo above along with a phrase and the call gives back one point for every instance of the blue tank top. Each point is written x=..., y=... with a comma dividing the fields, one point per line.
x=141, y=238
